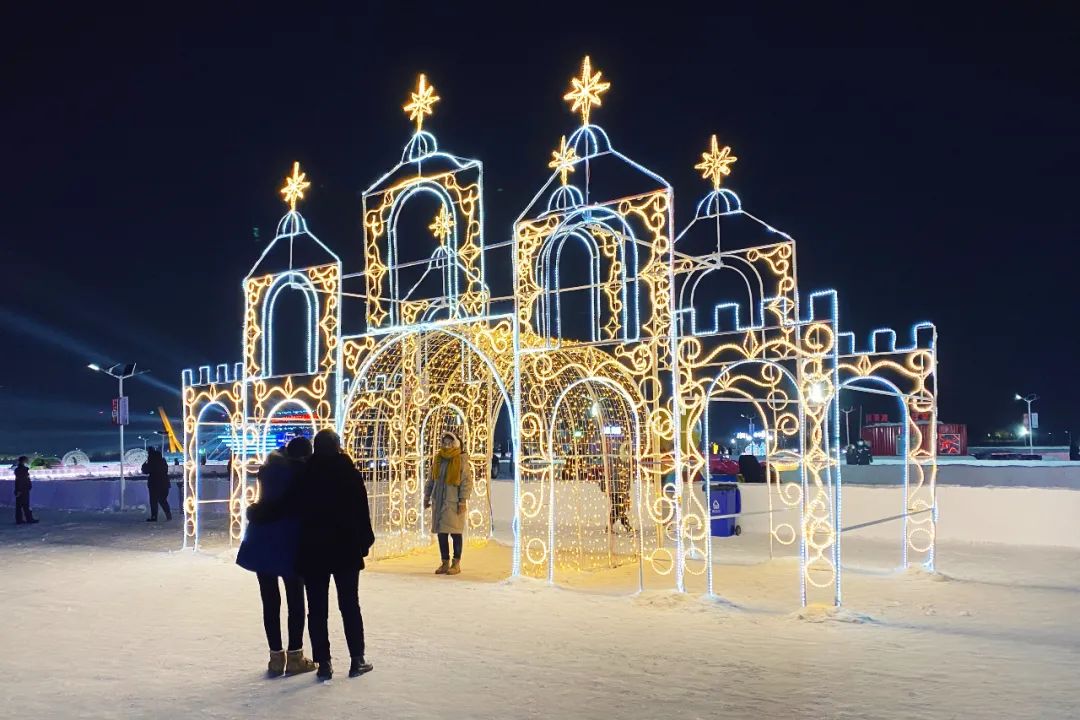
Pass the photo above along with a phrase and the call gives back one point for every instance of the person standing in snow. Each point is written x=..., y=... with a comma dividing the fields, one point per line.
x=616, y=486
x=269, y=550
x=447, y=492
x=157, y=483
x=23, y=515
x=335, y=536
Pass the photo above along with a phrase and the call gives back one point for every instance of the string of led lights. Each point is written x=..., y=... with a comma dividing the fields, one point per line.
x=609, y=419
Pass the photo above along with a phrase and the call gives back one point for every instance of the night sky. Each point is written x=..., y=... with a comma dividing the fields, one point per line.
x=926, y=164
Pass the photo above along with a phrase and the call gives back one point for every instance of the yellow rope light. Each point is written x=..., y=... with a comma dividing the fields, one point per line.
x=295, y=185
x=585, y=91
x=716, y=163
x=421, y=102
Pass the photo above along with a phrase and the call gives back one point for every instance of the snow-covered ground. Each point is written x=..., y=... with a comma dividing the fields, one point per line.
x=103, y=618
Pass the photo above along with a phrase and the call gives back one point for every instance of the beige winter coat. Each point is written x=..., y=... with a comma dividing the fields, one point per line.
x=445, y=498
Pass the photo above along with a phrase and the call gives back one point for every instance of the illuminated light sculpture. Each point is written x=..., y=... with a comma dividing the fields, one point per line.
x=909, y=374
x=716, y=163
x=585, y=91
x=562, y=160
x=609, y=416
x=75, y=457
x=421, y=103
x=295, y=185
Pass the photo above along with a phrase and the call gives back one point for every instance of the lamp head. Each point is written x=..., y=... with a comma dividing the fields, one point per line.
x=95, y=367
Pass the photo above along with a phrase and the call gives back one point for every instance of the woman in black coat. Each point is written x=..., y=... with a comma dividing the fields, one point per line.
x=269, y=549
x=157, y=483
x=335, y=536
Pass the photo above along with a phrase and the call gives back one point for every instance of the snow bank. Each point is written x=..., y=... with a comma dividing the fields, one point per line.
x=105, y=494
x=1010, y=516
x=1024, y=516
x=972, y=473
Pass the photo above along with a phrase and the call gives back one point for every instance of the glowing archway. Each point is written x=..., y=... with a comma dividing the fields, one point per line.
x=298, y=281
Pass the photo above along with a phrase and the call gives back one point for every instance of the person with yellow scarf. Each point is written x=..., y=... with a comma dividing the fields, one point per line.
x=446, y=492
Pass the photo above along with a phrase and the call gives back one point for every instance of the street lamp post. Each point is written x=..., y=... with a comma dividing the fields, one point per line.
x=847, y=423
x=1029, y=399
x=750, y=435
x=121, y=372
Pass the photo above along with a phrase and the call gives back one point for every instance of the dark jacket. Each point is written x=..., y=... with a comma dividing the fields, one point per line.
x=273, y=530
x=22, y=479
x=335, y=524
x=157, y=471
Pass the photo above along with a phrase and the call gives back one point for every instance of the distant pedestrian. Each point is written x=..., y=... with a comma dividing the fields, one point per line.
x=615, y=483
x=269, y=550
x=23, y=514
x=446, y=492
x=335, y=536
x=157, y=483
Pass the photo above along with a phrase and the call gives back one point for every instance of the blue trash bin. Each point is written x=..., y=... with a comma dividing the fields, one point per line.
x=724, y=499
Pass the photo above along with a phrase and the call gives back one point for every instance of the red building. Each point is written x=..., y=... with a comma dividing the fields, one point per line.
x=887, y=438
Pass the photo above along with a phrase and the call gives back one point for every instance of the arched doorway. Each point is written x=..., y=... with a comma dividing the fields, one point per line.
x=882, y=515
x=407, y=391
x=287, y=419
x=439, y=419
x=753, y=409
x=596, y=493
x=212, y=488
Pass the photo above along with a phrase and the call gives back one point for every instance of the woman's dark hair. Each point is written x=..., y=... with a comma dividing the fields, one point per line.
x=298, y=448
x=327, y=442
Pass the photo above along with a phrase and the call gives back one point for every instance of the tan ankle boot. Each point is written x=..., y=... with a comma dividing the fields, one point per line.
x=455, y=567
x=296, y=663
x=276, y=666
x=444, y=568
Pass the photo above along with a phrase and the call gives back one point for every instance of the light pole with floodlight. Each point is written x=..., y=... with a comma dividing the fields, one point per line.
x=121, y=372
x=1030, y=425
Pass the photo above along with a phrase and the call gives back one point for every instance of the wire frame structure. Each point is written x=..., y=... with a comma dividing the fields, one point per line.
x=617, y=336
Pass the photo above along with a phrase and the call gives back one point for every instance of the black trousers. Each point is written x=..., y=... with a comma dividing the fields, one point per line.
x=444, y=545
x=348, y=593
x=271, y=602
x=22, y=508
x=157, y=497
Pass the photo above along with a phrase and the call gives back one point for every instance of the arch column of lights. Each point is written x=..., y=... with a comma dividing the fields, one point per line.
x=619, y=392
x=226, y=393
x=773, y=391
x=649, y=350
x=910, y=374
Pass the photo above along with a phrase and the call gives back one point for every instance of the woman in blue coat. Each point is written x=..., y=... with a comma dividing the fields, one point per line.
x=269, y=550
